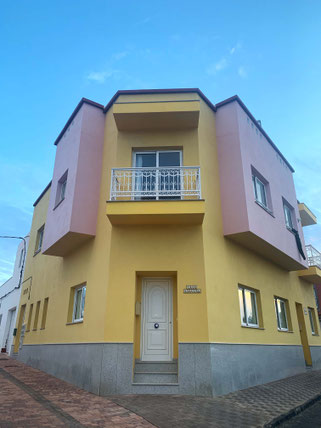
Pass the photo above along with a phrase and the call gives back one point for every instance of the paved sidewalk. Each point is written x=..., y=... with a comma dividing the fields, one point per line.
x=32, y=398
x=258, y=406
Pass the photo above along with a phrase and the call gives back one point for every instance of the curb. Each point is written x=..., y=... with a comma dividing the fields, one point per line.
x=293, y=412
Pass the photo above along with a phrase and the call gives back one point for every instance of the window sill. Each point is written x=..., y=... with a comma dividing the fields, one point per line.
x=265, y=208
x=27, y=331
x=315, y=334
x=285, y=331
x=74, y=322
x=252, y=326
x=34, y=329
x=42, y=328
x=36, y=252
x=56, y=206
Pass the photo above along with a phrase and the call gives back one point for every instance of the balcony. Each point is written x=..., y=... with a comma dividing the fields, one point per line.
x=150, y=116
x=157, y=195
x=313, y=273
x=306, y=215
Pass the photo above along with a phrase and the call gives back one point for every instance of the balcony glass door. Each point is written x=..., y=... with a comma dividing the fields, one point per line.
x=158, y=178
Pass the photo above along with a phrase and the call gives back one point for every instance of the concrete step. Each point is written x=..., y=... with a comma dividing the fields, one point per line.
x=156, y=366
x=147, y=388
x=156, y=378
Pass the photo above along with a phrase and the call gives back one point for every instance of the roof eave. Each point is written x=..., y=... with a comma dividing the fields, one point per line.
x=71, y=118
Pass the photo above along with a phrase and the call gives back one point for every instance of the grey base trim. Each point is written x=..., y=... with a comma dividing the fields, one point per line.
x=203, y=369
x=237, y=367
x=316, y=356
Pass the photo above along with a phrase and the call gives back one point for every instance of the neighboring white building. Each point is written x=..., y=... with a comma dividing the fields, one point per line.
x=10, y=297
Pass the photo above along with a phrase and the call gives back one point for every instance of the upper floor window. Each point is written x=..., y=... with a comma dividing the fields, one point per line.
x=248, y=307
x=79, y=303
x=39, y=239
x=161, y=177
x=281, y=313
x=61, y=189
x=288, y=215
x=161, y=158
x=261, y=191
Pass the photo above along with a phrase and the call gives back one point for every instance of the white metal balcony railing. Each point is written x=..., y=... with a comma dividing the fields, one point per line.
x=179, y=182
x=314, y=256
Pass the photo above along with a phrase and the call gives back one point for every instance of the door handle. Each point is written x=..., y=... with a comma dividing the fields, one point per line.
x=156, y=325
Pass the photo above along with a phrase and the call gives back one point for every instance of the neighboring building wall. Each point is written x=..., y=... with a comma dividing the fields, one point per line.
x=9, y=298
x=215, y=353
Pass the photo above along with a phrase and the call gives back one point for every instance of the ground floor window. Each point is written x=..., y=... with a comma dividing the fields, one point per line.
x=281, y=314
x=313, y=321
x=248, y=307
x=79, y=303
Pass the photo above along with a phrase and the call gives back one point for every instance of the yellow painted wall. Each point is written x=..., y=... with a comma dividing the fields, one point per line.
x=197, y=254
x=229, y=264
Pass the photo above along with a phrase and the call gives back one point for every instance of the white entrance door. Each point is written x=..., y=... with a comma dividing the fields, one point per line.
x=156, y=344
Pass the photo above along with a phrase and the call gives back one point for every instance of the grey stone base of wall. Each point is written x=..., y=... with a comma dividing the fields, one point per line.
x=204, y=369
x=237, y=367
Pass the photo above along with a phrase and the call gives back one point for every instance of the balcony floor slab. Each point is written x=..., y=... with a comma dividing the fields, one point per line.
x=176, y=212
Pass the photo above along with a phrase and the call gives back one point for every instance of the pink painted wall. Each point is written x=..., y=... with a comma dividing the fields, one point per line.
x=240, y=146
x=80, y=152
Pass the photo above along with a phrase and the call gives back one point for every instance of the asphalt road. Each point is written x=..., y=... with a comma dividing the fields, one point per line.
x=309, y=418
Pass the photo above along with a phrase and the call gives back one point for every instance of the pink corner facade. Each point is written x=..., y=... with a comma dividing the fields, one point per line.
x=242, y=150
x=78, y=158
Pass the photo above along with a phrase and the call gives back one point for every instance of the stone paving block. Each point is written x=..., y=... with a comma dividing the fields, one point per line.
x=31, y=398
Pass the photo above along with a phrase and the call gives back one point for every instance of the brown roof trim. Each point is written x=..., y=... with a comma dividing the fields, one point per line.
x=159, y=91
x=81, y=102
x=247, y=111
x=41, y=194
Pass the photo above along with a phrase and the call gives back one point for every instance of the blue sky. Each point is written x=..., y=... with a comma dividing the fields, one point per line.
x=54, y=53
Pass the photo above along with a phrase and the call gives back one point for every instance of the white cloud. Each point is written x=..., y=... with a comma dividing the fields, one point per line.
x=235, y=48
x=242, y=72
x=8, y=262
x=108, y=71
x=225, y=61
x=119, y=55
x=99, y=76
x=218, y=66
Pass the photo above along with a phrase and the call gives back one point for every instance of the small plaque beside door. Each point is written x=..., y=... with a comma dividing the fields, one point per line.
x=192, y=289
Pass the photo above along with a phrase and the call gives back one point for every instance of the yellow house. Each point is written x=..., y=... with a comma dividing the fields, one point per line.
x=167, y=253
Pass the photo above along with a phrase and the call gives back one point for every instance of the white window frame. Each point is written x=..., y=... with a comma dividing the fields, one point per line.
x=246, y=324
x=83, y=290
x=257, y=182
x=276, y=299
x=63, y=186
x=39, y=238
x=311, y=317
x=61, y=189
x=157, y=152
x=142, y=152
x=289, y=210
